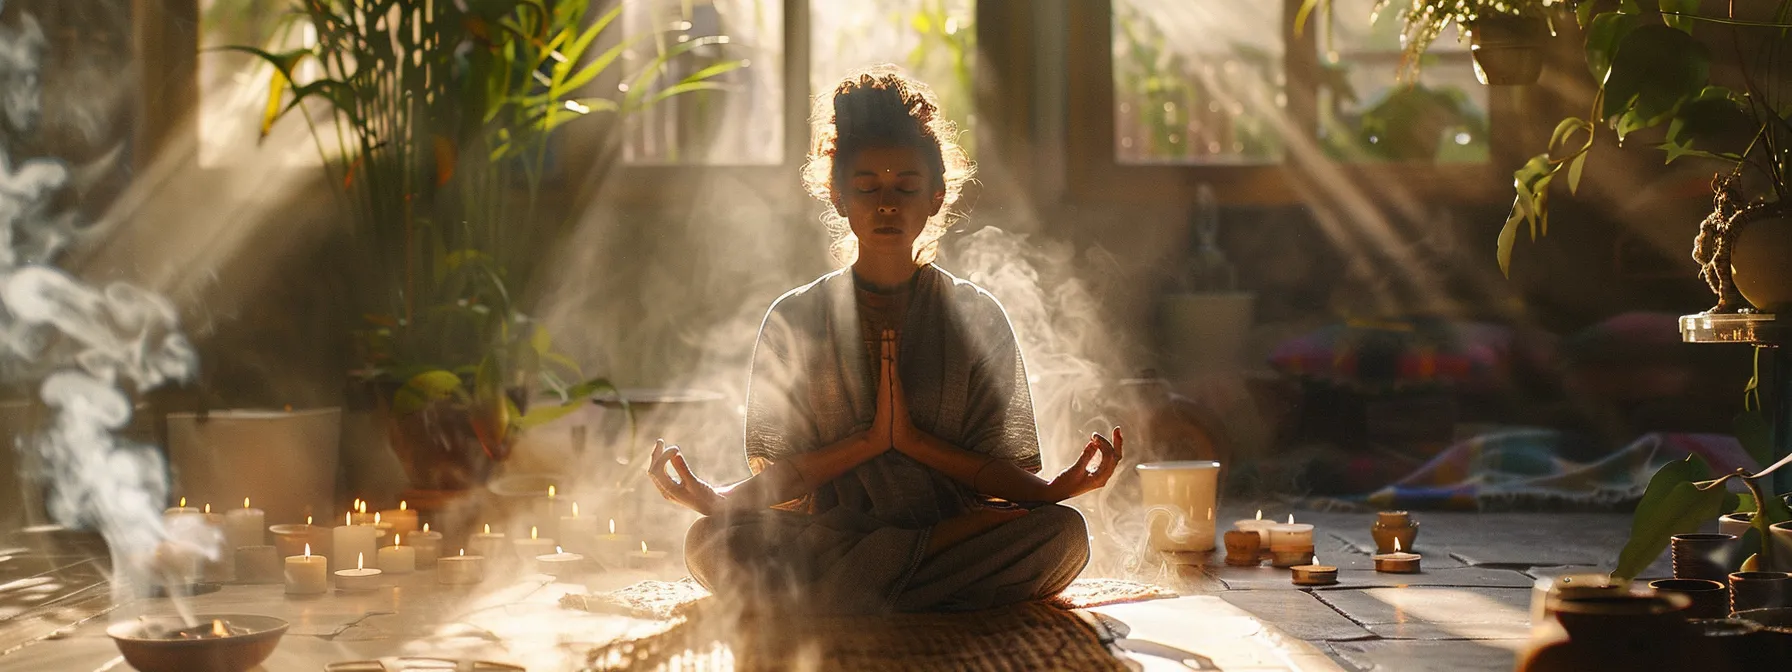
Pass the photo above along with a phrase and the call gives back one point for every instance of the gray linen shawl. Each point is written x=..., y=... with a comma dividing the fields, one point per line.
x=813, y=384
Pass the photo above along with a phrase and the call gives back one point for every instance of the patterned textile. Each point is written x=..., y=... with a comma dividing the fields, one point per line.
x=1403, y=354
x=666, y=600
x=1522, y=469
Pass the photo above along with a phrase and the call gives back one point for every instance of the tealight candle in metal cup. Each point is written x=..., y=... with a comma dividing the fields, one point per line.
x=1398, y=562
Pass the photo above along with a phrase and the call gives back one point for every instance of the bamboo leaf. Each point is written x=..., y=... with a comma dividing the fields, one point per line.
x=1508, y=236
x=1574, y=167
x=678, y=89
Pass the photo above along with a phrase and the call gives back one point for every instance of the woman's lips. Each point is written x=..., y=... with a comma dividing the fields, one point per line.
x=887, y=231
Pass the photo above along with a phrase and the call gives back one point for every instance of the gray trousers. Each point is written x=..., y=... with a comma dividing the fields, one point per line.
x=844, y=562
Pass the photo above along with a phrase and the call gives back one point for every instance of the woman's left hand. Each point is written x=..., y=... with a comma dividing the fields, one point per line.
x=688, y=491
x=1079, y=478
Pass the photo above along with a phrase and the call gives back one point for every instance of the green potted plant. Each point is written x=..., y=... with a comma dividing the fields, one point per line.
x=436, y=126
x=1505, y=36
x=1652, y=72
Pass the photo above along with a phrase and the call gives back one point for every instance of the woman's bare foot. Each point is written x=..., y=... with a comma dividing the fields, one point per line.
x=950, y=532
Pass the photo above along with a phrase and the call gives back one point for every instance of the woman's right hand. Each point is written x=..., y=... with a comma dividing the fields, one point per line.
x=883, y=420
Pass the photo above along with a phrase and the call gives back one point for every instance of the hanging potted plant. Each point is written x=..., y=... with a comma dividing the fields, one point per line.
x=1505, y=36
x=1410, y=121
x=435, y=119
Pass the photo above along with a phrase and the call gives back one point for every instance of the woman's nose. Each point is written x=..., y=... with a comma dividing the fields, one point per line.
x=886, y=209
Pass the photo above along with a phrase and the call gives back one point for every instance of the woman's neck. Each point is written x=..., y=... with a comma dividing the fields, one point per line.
x=884, y=272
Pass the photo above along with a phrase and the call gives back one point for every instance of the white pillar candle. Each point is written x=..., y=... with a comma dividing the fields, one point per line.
x=398, y=558
x=489, y=544
x=576, y=534
x=245, y=526
x=359, y=578
x=1290, y=536
x=348, y=542
x=1258, y=525
x=534, y=546
x=307, y=574
x=186, y=529
x=1179, y=499
x=257, y=564
x=560, y=564
x=428, y=545
x=610, y=547
x=645, y=559
x=403, y=518
x=460, y=570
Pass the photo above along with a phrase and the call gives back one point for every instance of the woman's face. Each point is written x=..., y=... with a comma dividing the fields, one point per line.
x=887, y=196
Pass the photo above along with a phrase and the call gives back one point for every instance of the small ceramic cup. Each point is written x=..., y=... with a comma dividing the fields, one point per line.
x=1758, y=590
x=1703, y=556
x=1710, y=599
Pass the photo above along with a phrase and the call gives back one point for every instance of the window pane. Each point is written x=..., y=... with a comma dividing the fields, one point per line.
x=738, y=122
x=934, y=40
x=1365, y=115
x=233, y=87
x=1198, y=81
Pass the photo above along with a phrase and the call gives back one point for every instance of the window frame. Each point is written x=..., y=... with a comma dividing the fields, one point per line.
x=1094, y=175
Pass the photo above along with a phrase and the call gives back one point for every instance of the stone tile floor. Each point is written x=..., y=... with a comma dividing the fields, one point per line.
x=1468, y=611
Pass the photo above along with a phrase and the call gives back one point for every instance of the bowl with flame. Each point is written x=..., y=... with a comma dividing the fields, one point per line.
x=219, y=643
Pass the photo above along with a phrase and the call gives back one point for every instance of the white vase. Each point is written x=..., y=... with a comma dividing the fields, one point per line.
x=1180, y=500
x=1206, y=332
x=283, y=461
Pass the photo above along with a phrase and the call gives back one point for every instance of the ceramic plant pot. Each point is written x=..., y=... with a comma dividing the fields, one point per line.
x=1710, y=599
x=1758, y=264
x=1385, y=536
x=1704, y=556
x=1508, y=50
x=1621, y=632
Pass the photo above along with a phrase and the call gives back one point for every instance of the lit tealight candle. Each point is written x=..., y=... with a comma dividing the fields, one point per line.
x=611, y=547
x=560, y=564
x=398, y=558
x=1398, y=562
x=403, y=518
x=350, y=541
x=534, y=546
x=460, y=570
x=578, y=535
x=359, y=578
x=428, y=544
x=244, y=526
x=489, y=544
x=307, y=574
x=1258, y=525
x=1291, y=543
x=645, y=559
x=1314, y=574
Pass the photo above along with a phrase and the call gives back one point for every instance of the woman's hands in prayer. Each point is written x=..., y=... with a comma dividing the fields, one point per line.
x=1079, y=478
x=891, y=426
x=688, y=490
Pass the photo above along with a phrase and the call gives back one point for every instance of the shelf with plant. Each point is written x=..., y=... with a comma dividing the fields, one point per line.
x=1506, y=36
x=435, y=121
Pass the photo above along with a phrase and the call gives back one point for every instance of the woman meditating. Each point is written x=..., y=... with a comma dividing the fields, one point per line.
x=889, y=428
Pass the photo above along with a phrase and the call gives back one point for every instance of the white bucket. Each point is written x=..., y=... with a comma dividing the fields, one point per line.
x=1180, y=499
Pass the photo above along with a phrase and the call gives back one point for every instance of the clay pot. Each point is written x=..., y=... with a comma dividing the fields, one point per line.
x=1385, y=536
x=1738, y=644
x=1704, y=556
x=1622, y=632
x=1758, y=590
x=1710, y=599
x=1508, y=50
x=1758, y=264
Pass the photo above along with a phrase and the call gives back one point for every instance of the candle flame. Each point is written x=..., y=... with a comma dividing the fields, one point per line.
x=557, y=549
x=1396, y=544
x=403, y=505
x=397, y=540
x=463, y=551
x=307, y=521
x=643, y=547
x=1315, y=559
x=532, y=532
x=575, y=509
x=348, y=519
x=218, y=628
x=361, y=505
x=551, y=492
x=426, y=527
x=208, y=507
x=307, y=550
x=1210, y=514
x=360, y=561
x=1259, y=514
x=1290, y=519
x=488, y=528
x=376, y=518
x=183, y=502
x=245, y=502
x=612, y=526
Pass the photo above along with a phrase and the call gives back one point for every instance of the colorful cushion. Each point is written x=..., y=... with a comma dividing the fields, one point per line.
x=1402, y=354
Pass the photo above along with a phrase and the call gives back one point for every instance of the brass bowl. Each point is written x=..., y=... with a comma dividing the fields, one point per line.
x=235, y=653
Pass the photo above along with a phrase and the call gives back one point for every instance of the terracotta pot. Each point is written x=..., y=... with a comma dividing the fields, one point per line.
x=1758, y=264
x=1508, y=50
x=1758, y=590
x=1622, y=632
x=1704, y=556
x=1775, y=639
x=1385, y=536
x=1739, y=644
x=441, y=448
x=1710, y=599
